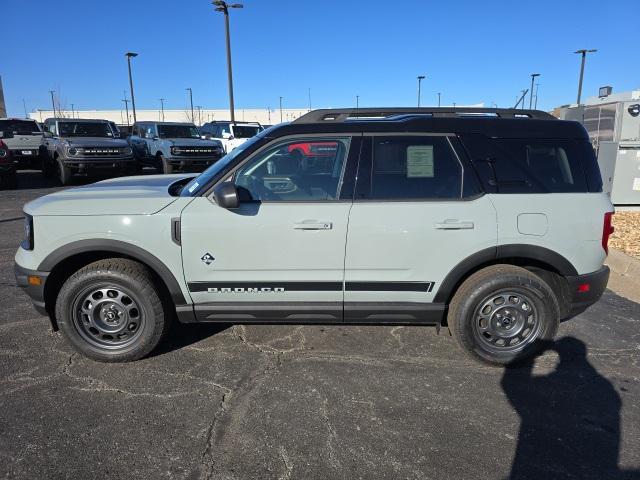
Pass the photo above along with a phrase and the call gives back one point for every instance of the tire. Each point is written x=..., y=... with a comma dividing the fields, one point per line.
x=64, y=172
x=111, y=311
x=167, y=168
x=503, y=314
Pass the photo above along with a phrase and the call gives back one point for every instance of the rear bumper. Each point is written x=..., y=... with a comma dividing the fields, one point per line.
x=35, y=292
x=587, y=289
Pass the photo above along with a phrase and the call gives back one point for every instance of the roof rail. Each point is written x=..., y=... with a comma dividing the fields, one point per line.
x=343, y=114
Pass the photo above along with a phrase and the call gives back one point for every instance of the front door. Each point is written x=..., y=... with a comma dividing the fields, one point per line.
x=417, y=213
x=280, y=255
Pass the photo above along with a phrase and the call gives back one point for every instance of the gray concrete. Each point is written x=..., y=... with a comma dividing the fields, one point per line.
x=291, y=402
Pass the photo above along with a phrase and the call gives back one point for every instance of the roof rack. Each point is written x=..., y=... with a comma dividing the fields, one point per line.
x=343, y=114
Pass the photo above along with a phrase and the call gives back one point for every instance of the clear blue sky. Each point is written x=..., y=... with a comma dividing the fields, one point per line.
x=471, y=51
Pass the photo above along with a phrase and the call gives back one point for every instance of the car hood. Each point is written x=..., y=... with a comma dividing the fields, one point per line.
x=96, y=142
x=118, y=196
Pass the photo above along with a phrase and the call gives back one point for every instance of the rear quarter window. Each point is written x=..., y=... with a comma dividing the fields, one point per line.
x=531, y=165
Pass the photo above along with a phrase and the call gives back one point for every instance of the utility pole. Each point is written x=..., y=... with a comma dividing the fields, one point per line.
x=73, y=112
x=129, y=56
x=162, y=109
x=126, y=107
x=536, y=101
x=583, y=52
x=309, y=98
x=420, y=78
x=24, y=104
x=191, y=101
x=438, y=98
x=533, y=78
x=357, y=101
x=281, y=109
x=53, y=103
x=199, y=108
x=524, y=95
x=222, y=6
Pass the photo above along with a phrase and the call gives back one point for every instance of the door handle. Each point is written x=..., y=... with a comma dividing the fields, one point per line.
x=453, y=224
x=313, y=226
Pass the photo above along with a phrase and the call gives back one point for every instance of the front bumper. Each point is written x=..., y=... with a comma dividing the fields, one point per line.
x=82, y=165
x=585, y=290
x=194, y=163
x=34, y=290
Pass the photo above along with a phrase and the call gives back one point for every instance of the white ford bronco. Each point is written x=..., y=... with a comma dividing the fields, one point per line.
x=489, y=222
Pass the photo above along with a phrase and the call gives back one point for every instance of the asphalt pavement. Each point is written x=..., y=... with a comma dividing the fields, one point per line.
x=312, y=402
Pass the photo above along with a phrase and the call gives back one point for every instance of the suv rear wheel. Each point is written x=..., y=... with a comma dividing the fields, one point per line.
x=503, y=314
x=110, y=311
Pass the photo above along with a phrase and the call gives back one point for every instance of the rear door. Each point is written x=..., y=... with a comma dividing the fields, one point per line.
x=280, y=255
x=417, y=213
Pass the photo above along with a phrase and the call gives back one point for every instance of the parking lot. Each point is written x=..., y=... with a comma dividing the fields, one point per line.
x=285, y=402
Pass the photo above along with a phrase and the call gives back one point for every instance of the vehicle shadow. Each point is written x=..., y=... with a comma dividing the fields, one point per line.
x=184, y=334
x=570, y=418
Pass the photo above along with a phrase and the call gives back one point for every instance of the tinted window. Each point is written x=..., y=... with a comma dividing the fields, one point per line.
x=178, y=131
x=413, y=167
x=19, y=127
x=295, y=171
x=84, y=129
x=245, y=131
x=530, y=165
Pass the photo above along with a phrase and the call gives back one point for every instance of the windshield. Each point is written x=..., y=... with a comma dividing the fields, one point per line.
x=84, y=129
x=245, y=131
x=178, y=131
x=194, y=187
x=20, y=127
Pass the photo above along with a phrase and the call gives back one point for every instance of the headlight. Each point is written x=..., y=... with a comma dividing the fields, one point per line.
x=27, y=242
x=127, y=151
x=72, y=151
x=175, y=150
x=3, y=153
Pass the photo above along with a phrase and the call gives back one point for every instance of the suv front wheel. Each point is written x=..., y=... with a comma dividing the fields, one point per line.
x=110, y=311
x=503, y=314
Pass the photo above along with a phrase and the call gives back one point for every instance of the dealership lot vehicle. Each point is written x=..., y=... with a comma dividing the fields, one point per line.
x=26, y=141
x=230, y=134
x=7, y=165
x=490, y=221
x=174, y=147
x=84, y=147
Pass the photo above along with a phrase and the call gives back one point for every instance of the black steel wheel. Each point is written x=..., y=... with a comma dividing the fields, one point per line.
x=503, y=314
x=111, y=311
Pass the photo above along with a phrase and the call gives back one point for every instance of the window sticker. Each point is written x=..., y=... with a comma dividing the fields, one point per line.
x=420, y=161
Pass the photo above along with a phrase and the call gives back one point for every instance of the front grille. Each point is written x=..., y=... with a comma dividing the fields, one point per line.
x=196, y=151
x=102, y=152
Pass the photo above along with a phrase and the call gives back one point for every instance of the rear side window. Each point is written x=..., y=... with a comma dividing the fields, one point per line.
x=412, y=168
x=532, y=165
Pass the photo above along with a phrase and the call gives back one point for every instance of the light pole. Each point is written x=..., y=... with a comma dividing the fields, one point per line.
x=24, y=104
x=357, y=101
x=524, y=95
x=222, y=6
x=129, y=56
x=53, y=103
x=73, y=112
x=161, y=109
x=126, y=106
x=535, y=105
x=191, y=100
x=438, y=98
x=199, y=108
x=583, y=52
x=281, y=109
x=533, y=78
x=420, y=78
x=309, y=98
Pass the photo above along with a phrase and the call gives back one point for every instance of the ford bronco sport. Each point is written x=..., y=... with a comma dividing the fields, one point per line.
x=84, y=147
x=490, y=222
x=173, y=146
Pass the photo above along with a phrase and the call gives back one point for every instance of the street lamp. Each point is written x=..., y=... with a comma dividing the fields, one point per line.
x=583, y=52
x=281, y=109
x=533, y=77
x=162, y=109
x=191, y=100
x=129, y=56
x=420, y=78
x=53, y=104
x=222, y=6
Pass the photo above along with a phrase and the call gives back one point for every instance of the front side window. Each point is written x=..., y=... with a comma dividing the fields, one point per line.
x=295, y=170
x=178, y=131
x=412, y=168
x=84, y=129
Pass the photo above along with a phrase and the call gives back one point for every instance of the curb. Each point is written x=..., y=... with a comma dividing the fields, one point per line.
x=625, y=274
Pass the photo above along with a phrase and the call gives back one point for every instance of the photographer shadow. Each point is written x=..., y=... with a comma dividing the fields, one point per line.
x=570, y=418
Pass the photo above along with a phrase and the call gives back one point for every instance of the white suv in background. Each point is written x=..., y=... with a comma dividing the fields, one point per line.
x=230, y=134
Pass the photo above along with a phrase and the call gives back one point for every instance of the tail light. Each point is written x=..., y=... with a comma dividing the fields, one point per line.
x=607, y=230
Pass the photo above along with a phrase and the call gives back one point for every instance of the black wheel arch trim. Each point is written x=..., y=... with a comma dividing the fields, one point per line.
x=116, y=246
x=519, y=251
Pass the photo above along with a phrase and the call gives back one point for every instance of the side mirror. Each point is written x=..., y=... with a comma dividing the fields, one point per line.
x=47, y=134
x=6, y=134
x=227, y=136
x=226, y=195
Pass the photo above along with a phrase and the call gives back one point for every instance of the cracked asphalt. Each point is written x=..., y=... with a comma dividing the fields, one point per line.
x=313, y=402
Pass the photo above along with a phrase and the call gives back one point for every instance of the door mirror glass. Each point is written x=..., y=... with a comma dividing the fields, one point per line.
x=226, y=195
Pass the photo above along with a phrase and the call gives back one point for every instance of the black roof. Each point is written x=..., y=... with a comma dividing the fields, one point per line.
x=500, y=123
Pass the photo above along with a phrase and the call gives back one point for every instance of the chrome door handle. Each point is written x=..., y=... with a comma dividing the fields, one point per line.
x=453, y=224
x=313, y=226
